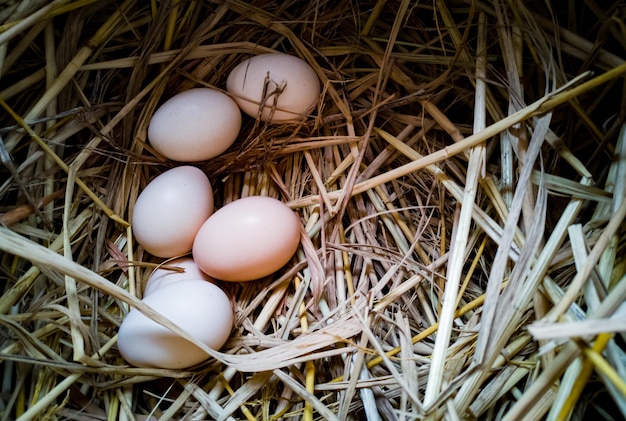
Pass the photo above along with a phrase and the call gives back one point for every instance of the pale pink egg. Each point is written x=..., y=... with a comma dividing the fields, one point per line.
x=270, y=73
x=247, y=239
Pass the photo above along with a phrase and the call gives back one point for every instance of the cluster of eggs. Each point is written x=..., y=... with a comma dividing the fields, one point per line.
x=246, y=239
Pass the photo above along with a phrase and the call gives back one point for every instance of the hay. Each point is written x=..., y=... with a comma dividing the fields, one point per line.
x=461, y=188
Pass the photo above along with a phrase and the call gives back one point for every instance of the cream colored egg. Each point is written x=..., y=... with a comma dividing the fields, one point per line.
x=270, y=73
x=201, y=308
x=163, y=276
x=171, y=209
x=195, y=125
x=247, y=239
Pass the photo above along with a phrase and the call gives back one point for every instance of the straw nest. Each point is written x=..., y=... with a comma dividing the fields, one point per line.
x=461, y=182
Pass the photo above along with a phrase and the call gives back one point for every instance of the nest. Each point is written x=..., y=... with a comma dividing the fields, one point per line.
x=461, y=182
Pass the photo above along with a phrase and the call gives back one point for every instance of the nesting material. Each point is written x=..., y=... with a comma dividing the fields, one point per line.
x=460, y=184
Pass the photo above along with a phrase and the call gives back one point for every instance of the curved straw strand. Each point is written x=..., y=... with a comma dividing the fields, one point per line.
x=299, y=350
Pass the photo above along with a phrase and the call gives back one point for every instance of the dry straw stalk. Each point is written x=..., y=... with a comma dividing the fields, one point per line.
x=460, y=185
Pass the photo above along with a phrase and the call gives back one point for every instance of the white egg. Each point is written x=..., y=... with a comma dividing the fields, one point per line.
x=163, y=276
x=201, y=308
x=195, y=125
x=171, y=209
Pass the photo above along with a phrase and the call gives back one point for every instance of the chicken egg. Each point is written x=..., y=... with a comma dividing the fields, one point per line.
x=201, y=308
x=162, y=276
x=195, y=125
x=171, y=209
x=247, y=239
x=270, y=73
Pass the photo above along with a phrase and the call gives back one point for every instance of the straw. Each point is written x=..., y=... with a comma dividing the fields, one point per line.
x=460, y=185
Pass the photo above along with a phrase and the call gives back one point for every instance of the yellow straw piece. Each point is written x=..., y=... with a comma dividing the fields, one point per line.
x=587, y=367
x=309, y=366
x=249, y=416
x=603, y=367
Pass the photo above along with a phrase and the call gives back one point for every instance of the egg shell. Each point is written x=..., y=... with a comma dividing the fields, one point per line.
x=300, y=94
x=171, y=209
x=201, y=308
x=195, y=125
x=163, y=276
x=247, y=239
